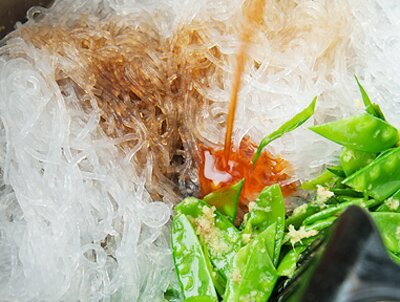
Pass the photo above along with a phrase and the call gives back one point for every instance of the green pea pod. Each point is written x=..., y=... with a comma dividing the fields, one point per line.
x=321, y=224
x=339, y=208
x=337, y=170
x=300, y=213
x=353, y=160
x=388, y=225
x=268, y=208
x=326, y=179
x=369, y=106
x=363, y=132
x=345, y=192
x=380, y=179
x=392, y=204
x=253, y=272
x=190, y=264
x=287, y=266
x=219, y=234
x=226, y=199
x=290, y=125
x=218, y=280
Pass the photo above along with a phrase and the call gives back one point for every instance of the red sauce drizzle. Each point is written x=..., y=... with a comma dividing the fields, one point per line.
x=215, y=174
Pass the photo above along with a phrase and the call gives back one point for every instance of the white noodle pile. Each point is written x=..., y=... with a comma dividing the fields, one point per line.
x=76, y=222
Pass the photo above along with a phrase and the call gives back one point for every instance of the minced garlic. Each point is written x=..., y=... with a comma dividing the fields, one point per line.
x=205, y=228
x=392, y=203
x=297, y=236
x=323, y=194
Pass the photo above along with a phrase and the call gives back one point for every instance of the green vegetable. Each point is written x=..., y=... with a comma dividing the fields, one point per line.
x=269, y=208
x=311, y=230
x=353, y=160
x=392, y=204
x=290, y=125
x=226, y=199
x=218, y=280
x=287, y=266
x=388, y=225
x=215, y=230
x=363, y=132
x=321, y=224
x=380, y=179
x=190, y=264
x=300, y=213
x=341, y=192
x=253, y=272
x=371, y=108
x=337, y=170
x=339, y=208
x=326, y=179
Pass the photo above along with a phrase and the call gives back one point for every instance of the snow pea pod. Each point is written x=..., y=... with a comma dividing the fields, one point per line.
x=253, y=272
x=226, y=199
x=218, y=281
x=219, y=234
x=337, y=170
x=300, y=213
x=287, y=266
x=388, y=225
x=339, y=208
x=392, y=204
x=369, y=106
x=290, y=125
x=380, y=179
x=326, y=179
x=345, y=192
x=190, y=264
x=353, y=160
x=268, y=208
x=363, y=132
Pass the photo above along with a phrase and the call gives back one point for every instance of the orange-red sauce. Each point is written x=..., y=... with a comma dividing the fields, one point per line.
x=215, y=174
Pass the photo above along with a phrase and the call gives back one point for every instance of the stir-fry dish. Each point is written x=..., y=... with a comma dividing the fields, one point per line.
x=192, y=150
x=217, y=260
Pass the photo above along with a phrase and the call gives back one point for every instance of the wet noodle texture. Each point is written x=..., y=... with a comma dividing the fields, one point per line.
x=104, y=105
x=142, y=84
